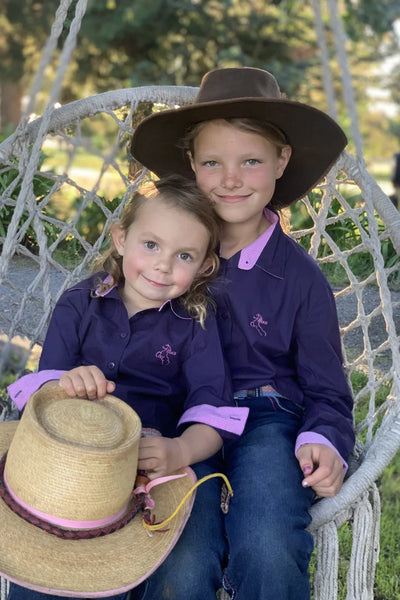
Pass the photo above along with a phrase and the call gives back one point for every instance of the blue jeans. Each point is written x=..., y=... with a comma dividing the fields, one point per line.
x=20, y=593
x=260, y=550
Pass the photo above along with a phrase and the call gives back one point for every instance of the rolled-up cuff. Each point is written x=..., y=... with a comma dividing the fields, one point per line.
x=227, y=419
x=21, y=390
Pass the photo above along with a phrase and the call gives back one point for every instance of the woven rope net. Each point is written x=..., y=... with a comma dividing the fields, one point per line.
x=54, y=213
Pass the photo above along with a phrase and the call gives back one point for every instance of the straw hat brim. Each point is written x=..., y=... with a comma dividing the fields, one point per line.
x=92, y=568
x=315, y=138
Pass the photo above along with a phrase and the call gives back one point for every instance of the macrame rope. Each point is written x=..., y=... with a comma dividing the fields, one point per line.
x=326, y=574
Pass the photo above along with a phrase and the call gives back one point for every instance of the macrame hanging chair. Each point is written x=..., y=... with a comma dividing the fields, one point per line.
x=32, y=275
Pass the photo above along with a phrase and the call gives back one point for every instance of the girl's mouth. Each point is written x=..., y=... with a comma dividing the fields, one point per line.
x=155, y=283
x=232, y=199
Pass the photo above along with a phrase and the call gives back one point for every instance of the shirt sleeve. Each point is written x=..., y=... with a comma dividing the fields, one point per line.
x=328, y=400
x=210, y=393
x=21, y=390
x=61, y=347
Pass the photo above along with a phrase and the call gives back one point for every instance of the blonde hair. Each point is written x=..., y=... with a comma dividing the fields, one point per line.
x=178, y=192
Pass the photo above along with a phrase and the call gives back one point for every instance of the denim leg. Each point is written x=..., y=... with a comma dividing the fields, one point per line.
x=269, y=549
x=193, y=570
x=21, y=593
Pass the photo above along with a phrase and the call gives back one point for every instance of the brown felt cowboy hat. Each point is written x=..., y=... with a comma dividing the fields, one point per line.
x=67, y=512
x=315, y=138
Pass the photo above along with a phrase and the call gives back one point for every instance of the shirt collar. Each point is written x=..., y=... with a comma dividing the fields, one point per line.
x=177, y=310
x=250, y=255
x=106, y=280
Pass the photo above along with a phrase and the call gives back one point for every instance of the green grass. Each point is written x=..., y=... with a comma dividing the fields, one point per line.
x=56, y=158
x=387, y=581
x=387, y=577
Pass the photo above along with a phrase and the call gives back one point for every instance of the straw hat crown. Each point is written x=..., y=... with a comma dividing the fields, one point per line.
x=74, y=459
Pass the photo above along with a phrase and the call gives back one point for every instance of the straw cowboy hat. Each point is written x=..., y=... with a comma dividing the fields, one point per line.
x=315, y=138
x=68, y=473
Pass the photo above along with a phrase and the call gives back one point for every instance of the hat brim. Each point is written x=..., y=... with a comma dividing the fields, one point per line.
x=93, y=568
x=315, y=138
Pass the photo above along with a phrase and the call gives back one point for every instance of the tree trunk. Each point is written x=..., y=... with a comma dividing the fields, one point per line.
x=10, y=103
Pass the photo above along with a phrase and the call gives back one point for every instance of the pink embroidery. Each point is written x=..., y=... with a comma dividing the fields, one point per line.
x=163, y=354
x=257, y=322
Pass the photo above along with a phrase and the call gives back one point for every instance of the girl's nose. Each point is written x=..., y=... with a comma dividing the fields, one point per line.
x=163, y=263
x=231, y=178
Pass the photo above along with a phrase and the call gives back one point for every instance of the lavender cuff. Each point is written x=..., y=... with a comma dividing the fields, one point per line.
x=21, y=390
x=226, y=418
x=310, y=437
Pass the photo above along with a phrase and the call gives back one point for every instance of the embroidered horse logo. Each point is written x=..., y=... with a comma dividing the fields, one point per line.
x=164, y=354
x=257, y=323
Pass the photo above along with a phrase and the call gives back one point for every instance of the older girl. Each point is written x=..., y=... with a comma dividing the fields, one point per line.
x=253, y=152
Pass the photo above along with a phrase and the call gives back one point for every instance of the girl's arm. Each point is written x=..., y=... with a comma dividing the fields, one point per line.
x=61, y=348
x=160, y=456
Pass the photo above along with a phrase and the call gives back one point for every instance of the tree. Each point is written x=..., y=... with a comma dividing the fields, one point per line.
x=176, y=42
x=137, y=42
x=24, y=26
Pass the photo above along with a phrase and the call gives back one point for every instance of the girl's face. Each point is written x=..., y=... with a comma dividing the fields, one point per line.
x=237, y=170
x=162, y=252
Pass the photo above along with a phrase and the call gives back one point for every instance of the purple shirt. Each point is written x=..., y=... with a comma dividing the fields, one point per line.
x=165, y=365
x=279, y=327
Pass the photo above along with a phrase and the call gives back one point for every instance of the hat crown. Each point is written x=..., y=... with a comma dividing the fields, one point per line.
x=74, y=459
x=98, y=427
x=235, y=83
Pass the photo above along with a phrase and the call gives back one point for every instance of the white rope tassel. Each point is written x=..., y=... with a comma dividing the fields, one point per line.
x=326, y=573
x=3, y=589
x=374, y=545
x=365, y=550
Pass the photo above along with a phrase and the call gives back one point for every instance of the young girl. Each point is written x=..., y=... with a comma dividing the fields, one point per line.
x=253, y=152
x=141, y=328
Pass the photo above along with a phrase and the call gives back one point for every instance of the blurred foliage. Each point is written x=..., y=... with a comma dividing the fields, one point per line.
x=10, y=182
x=124, y=43
x=93, y=218
x=25, y=26
x=135, y=42
x=368, y=17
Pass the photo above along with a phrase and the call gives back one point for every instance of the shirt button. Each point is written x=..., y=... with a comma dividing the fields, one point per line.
x=111, y=365
x=123, y=334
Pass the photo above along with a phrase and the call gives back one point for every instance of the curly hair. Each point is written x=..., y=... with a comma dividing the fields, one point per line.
x=181, y=193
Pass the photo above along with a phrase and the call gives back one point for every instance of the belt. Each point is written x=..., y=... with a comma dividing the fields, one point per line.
x=257, y=392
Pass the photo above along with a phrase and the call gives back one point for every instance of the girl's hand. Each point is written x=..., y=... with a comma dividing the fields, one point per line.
x=322, y=468
x=86, y=382
x=160, y=456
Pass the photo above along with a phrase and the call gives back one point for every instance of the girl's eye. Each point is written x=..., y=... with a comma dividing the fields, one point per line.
x=185, y=256
x=252, y=161
x=210, y=163
x=150, y=245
